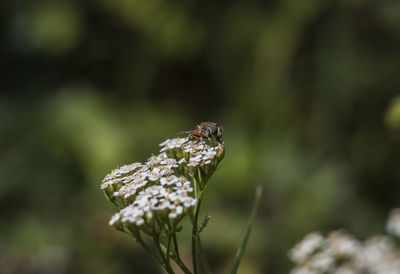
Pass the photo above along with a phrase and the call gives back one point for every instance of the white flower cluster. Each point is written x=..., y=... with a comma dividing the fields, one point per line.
x=393, y=224
x=128, y=180
x=201, y=154
x=160, y=185
x=198, y=159
x=379, y=255
x=305, y=248
x=157, y=198
x=118, y=176
x=194, y=153
x=341, y=253
x=171, y=144
x=319, y=254
x=156, y=168
x=148, y=188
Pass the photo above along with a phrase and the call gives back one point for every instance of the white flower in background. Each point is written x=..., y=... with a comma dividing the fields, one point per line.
x=322, y=261
x=306, y=247
x=303, y=270
x=379, y=255
x=346, y=268
x=343, y=244
x=341, y=253
x=393, y=224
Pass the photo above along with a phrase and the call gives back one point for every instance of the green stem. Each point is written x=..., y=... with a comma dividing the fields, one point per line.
x=178, y=261
x=194, y=233
x=169, y=242
x=176, y=244
x=140, y=240
x=178, y=257
x=156, y=240
x=203, y=257
x=182, y=266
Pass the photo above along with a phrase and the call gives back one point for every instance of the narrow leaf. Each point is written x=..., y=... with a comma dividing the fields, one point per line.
x=239, y=253
x=204, y=223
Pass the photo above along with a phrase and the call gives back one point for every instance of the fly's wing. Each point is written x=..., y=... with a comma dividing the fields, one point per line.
x=196, y=132
x=185, y=132
x=182, y=133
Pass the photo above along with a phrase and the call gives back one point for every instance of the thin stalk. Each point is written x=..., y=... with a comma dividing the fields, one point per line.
x=182, y=266
x=178, y=261
x=156, y=240
x=176, y=244
x=194, y=234
x=169, y=242
x=196, y=244
x=203, y=258
x=140, y=240
x=178, y=257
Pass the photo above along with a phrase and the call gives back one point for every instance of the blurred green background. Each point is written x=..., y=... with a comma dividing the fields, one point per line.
x=306, y=92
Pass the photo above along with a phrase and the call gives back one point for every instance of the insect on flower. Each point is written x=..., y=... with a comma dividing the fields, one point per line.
x=206, y=130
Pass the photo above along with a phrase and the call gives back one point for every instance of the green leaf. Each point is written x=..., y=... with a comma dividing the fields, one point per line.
x=239, y=253
x=204, y=223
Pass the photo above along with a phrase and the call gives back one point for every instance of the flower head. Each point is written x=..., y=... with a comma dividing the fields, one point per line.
x=155, y=200
x=162, y=188
x=154, y=196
